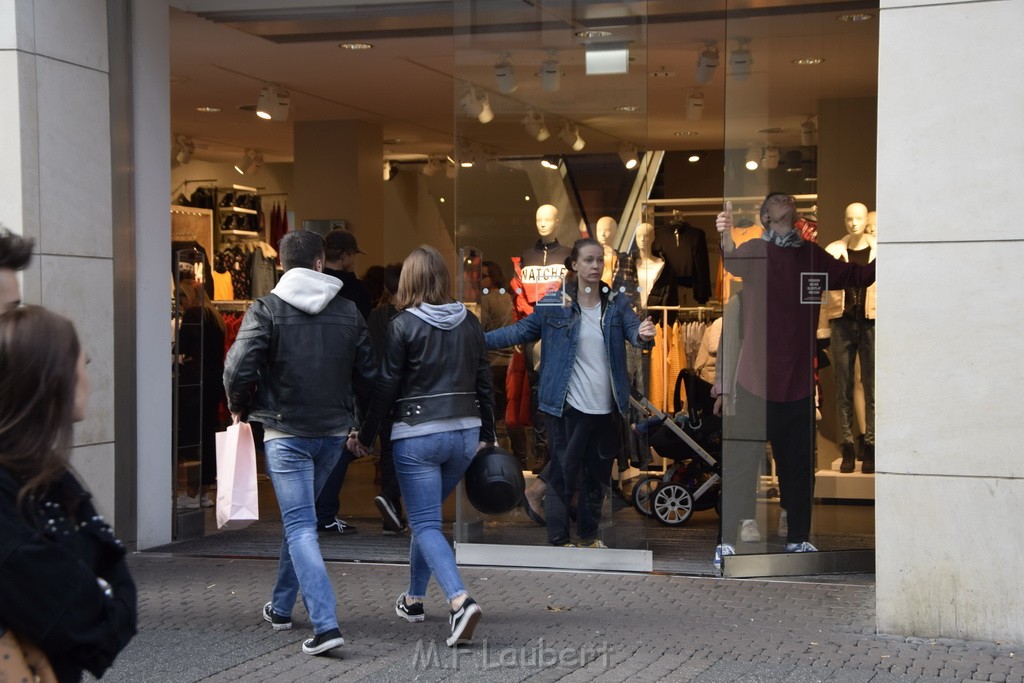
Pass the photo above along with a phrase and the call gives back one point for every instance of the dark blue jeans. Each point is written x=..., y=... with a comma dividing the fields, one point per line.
x=327, y=500
x=576, y=440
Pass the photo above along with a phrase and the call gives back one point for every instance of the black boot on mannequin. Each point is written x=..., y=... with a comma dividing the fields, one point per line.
x=849, y=459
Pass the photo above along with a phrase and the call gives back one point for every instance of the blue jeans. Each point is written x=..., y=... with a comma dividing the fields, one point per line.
x=429, y=468
x=327, y=496
x=298, y=468
x=577, y=441
x=852, y=338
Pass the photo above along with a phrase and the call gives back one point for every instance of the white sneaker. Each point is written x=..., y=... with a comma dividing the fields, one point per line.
x=783, y=524
x=803, y=547
x=721, y=551
x=749, y=533
x=188, y=502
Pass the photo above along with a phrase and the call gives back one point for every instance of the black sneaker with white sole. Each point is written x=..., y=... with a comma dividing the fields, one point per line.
x=410, y=612
x=389, y=515
x=463, y=621
x=322, y=642
x=276, y=620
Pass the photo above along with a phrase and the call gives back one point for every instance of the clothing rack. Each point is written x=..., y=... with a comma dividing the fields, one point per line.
x=715, y=307
x=185, y=183
x=232, y=304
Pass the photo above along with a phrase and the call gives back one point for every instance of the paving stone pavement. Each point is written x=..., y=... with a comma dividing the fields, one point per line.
x=199, y=620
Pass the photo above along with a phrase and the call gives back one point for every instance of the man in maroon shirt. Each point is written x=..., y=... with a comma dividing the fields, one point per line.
x=784, y=280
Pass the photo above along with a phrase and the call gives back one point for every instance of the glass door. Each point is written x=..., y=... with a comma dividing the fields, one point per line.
x=797, y=345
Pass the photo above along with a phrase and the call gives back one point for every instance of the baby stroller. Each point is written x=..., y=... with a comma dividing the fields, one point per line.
x=693, y=441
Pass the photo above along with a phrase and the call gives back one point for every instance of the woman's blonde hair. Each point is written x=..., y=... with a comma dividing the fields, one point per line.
x=424, y=280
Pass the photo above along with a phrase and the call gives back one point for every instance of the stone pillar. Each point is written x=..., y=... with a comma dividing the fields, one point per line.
x=55, y=186
x=950, y=481
x=338, y=175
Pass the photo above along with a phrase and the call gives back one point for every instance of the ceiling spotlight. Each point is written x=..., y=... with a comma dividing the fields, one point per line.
x=550, y=162
x=808, y=132
x=694, y=158
x=273, y=103
x=534, y=124
x=355, y=46
x=707, y=62
x=741, y=59
x=627, y=152
x=855, y=17
x=550, y=73
x=770, y=159
x=505, y=74
x=808, y=61
x=185, y=148
x=753, y=158
x=570, y=135
x=250, y=163
x=476, y=104
x=695, y=105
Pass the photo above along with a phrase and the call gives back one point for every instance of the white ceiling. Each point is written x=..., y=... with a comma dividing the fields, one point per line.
x=425, y=51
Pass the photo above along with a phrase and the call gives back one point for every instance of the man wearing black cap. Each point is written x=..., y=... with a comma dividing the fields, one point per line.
x=340, y=249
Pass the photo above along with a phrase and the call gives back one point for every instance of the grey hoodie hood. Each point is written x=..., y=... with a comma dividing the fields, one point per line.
x=443, y=317
x=307, y=290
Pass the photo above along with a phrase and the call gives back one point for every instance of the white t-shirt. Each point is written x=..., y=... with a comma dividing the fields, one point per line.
x=590, y=387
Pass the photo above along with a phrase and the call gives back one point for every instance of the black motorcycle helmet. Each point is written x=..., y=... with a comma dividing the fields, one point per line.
x=494, y=481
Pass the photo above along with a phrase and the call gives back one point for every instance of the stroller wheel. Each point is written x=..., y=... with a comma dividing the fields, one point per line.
x=643, y=490
x=672, y=504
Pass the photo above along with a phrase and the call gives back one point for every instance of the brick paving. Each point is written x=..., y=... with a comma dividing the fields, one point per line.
x=200, y=621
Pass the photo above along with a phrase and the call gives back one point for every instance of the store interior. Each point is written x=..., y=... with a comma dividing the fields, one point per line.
x=424, y=122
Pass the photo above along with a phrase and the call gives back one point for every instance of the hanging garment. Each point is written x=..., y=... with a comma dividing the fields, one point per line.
x=223, y=290
x=685, y=247
x=656, y=365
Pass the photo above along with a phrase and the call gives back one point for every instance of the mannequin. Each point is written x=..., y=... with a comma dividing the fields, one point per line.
x=872, y=228
x=656, y=281
x=604, y=232
x=851, y=314
x=540, y=268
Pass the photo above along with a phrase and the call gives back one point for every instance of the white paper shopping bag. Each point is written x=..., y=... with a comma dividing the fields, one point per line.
x=237, y=495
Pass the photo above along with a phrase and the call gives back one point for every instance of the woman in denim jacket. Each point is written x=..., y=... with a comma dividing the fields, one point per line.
x=583, y=382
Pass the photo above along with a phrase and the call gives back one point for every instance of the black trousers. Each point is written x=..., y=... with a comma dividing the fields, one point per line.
x=789, y=427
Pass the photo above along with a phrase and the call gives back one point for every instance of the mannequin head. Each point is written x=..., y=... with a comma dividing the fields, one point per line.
x=547, y=222
x=856, y=219
x=644, y=239
x=605, y=230
x=872, y=226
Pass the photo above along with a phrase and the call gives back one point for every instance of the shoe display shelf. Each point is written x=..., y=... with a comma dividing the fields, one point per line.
x=234, y=216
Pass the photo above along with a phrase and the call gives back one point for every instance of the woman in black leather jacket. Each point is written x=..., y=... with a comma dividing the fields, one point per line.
x=435, y=382
x=64, y=583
